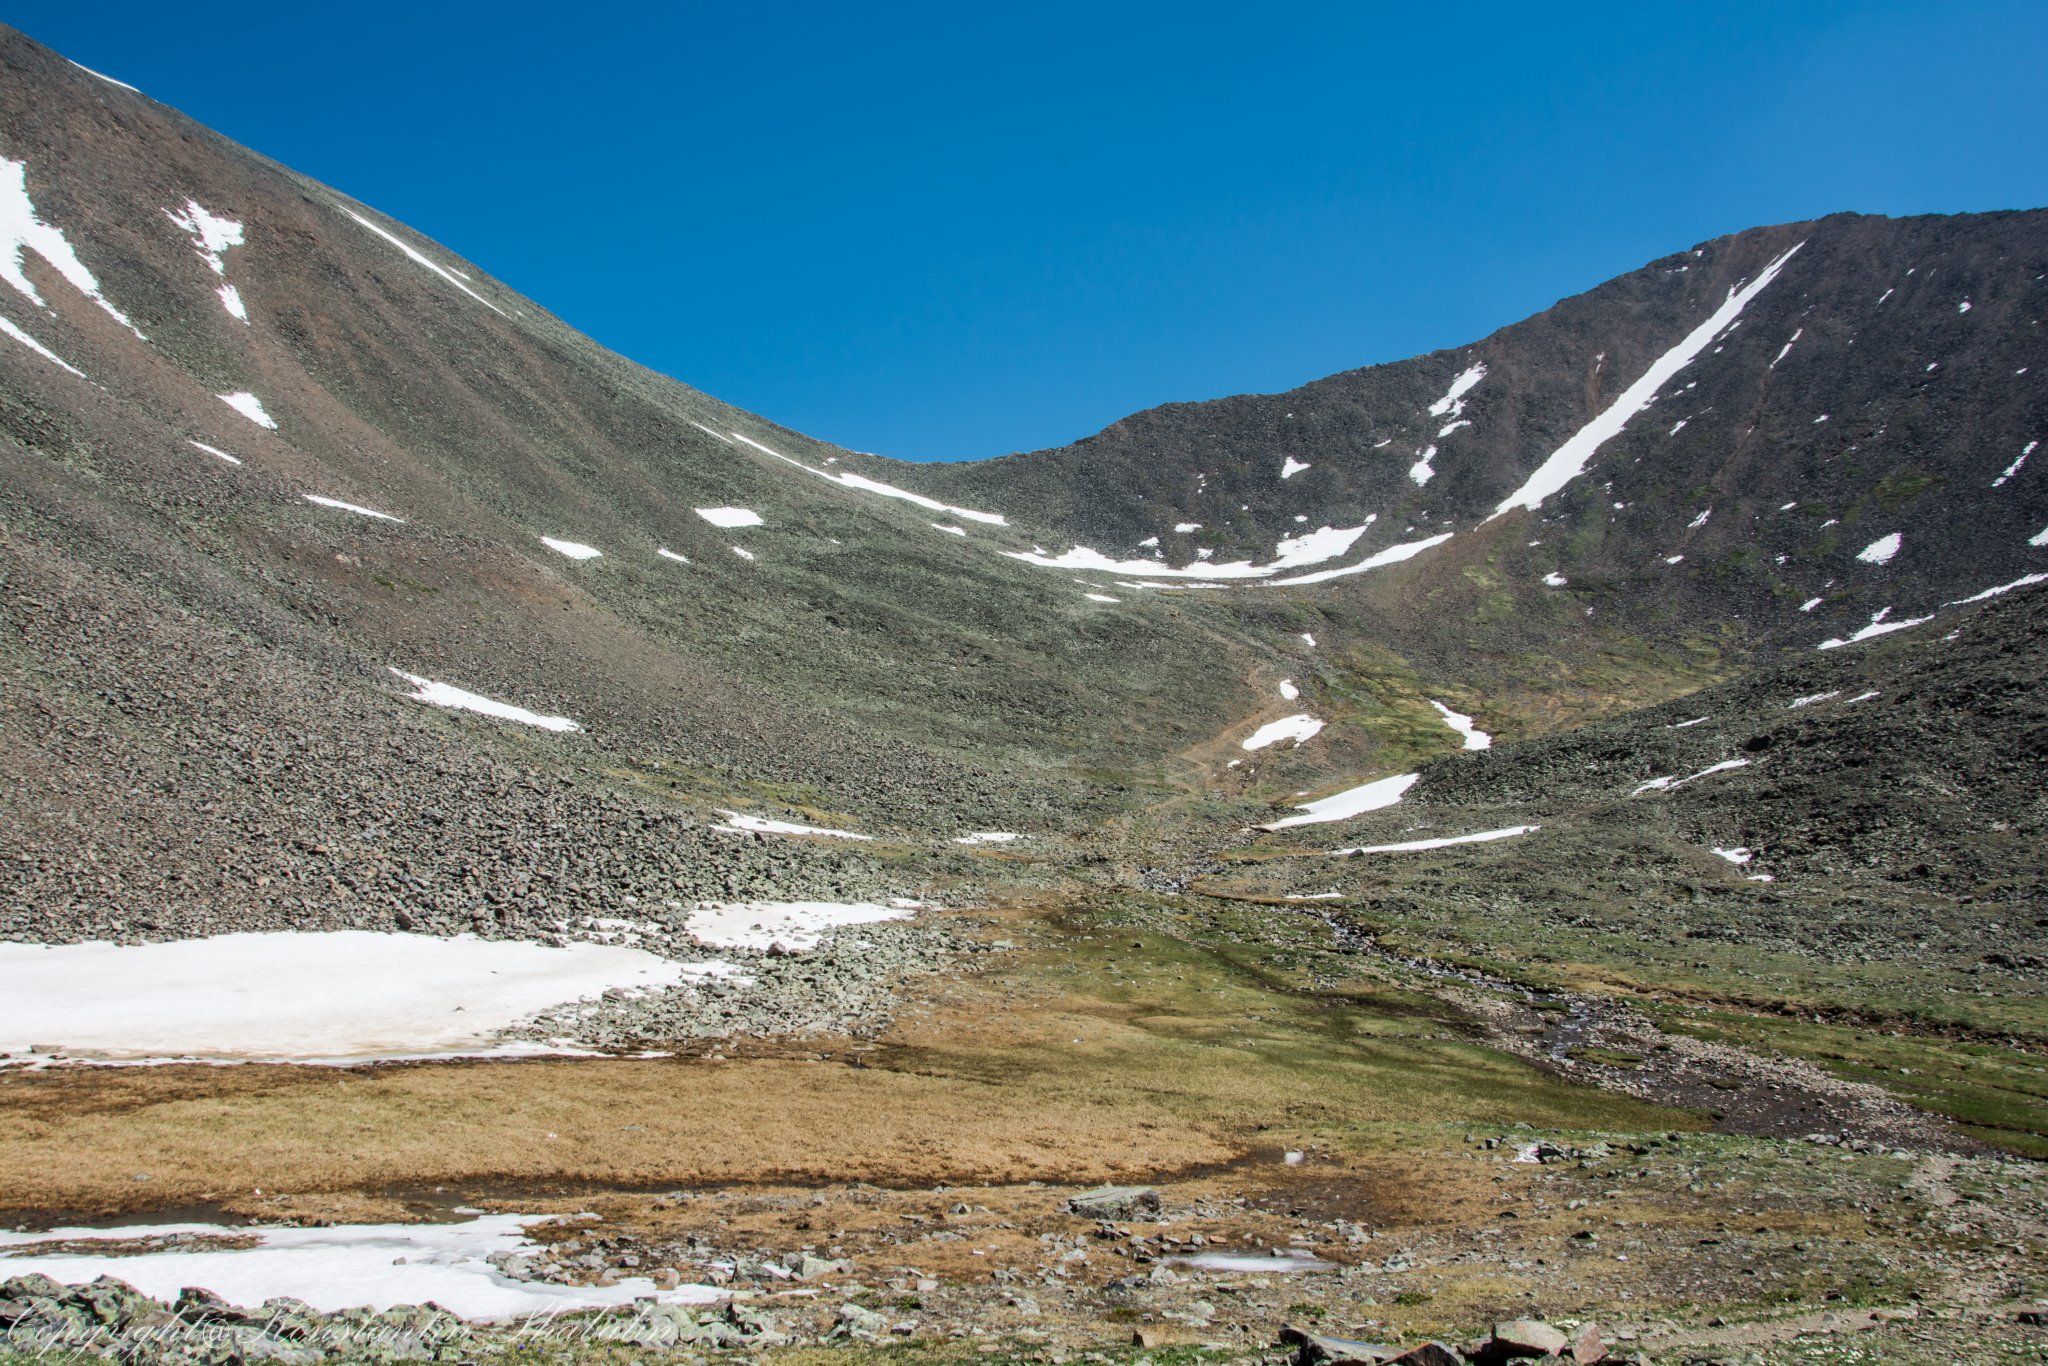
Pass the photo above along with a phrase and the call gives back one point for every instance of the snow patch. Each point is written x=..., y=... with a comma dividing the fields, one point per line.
x=1393, y=554
x=1288, y=690
x=1881, y=550
x=1420, y=471
x=249, y=406
x=1878, y=627
x=1100, y=597
x=2013, y=468
x=1570, y=460
x=212, y=450
x=456, y=278
x=1452, y=404
x=668, y=554
x=1738, y=855
x=1411, y=846
x=1291, y=467
x=2024, y=581
x=794, y=926
x=337, y=504
x=212, y=235
x=1353, y=801
x=1672, y=784
x=575, y=550
x=729, y=517
x=21, y=230
x=41, y=350
x=344, y=1266
x=1812, y=698
x=1555, y=579
x=246, y=997
x=735, y=823
x=1325, y=543
x=988, y=837
x=1457, y=721
x=949, y=530
x=1299, y=728
x=848, y=479
x=447, y=695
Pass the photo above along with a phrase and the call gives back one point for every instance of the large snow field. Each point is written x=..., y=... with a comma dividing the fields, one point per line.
x=328, y=996
x=372, y=1266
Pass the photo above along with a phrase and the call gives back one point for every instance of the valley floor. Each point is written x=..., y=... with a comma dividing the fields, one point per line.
x=1379, y=1149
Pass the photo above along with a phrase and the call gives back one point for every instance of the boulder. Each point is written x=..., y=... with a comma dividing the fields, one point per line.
x=1428, y=1354
x=1526, y=1338
x=1313, y=1349
x=1116, y=1202
x=1589, y=1347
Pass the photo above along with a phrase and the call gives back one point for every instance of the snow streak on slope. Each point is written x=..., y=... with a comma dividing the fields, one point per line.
x=41, y=350
x=796, y=926
x=1413, y=846
x=249, y=406
x=447, y=695
x=357, y=508
x=22, y=231
x=1354, y=801
x=211, y=236
x=1393, y=554
x=1461, y=723
x=1569, y=461
x=1312, y=547
x=848, y=479
x=453, y=277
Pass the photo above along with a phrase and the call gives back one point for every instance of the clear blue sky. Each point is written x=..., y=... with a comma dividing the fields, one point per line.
x=947, y=231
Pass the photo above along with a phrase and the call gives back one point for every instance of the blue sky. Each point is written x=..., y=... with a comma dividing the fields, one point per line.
x=948, y=231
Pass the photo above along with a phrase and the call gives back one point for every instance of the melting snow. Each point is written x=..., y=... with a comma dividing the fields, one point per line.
x=1311, y=547
x=337, y=504
x=247, y=997
x=1696, y=523
x=729, y=517
x=1100, y=597
x=212, y=450
x=1696, y=721
x=1393, y=554
x=1298, y=728
x=1308, y=640
x=1810, y=604
x=1812, y=698
x=2024, y=581
x=668, y=554
x=735, y=822
x=2039, y=538
x=249, y=406
x=950, y=530
x=1420, y=471
x=211, y=236
x=1963, y=307
x=1410, y=846
x=103, y=76
x=1878, y=627
x=1452, y=404
x=743, y=554
x=1288, y=690
x=453, y=277
x=1291, y=467
x=1570, y=460
x=1353, y=801
x=21, y=230
x=1673, y=784
x=1185, y=527
x=848, y=479
x=447, y=695
x=1788, y=347
x=1474, y=737
x=344, y=1266
x=575, y=550
x=1881, y=550
x=41, y=350
x=1555, y=579
x=988, y=837
x=1737, y=855
x=2010, y=470
x=796, y=926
